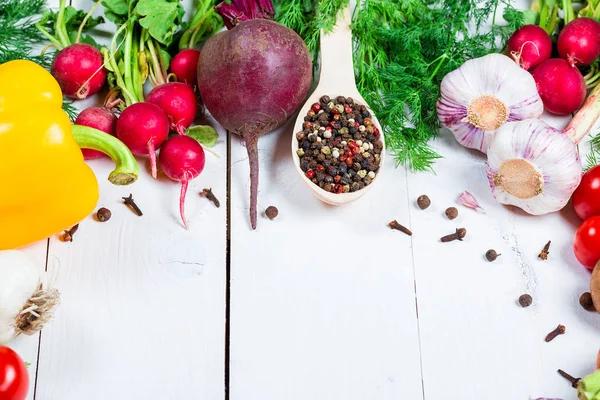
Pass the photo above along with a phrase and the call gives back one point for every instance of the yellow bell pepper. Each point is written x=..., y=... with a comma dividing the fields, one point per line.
x=45, y=185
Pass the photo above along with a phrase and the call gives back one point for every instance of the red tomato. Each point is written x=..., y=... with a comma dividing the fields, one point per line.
x=587, y=242
x=14, y=378
x=586, y=199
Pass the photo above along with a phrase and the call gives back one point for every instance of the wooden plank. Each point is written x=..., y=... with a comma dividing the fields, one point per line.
x=322, y=298
x=143, y=300
x=475, y=337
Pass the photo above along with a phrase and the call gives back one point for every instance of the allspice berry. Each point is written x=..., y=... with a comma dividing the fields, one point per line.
x=586, y=302
x=525, y=300
x=103, y=214
x=271, y=212
x=423, y=202
x=451, y=212
x=491, y=255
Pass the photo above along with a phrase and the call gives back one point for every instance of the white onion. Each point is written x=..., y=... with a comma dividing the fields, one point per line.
x=482, y=95
x=25, y=303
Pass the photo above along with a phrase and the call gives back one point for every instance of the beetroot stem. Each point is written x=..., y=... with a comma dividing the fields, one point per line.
x=252, y=148
x=184, y=187
x=152, y=155
x=585, y=118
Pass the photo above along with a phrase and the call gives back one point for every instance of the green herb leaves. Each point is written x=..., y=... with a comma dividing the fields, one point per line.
x=204, y=134
x=161, y=18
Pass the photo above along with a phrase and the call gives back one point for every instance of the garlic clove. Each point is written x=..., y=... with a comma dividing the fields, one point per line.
x=482, y=95
x=533, y=166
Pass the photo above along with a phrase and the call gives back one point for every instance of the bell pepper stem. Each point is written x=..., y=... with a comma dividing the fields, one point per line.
x=127, y=169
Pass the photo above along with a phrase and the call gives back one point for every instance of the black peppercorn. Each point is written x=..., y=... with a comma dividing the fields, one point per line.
x=354, y=187
x=344, y=180
x=321, y=157
x=366, y=114
x=352, y=130
x=333, y=171
x=328, y=179
x=423, y=202
x=349, y=100
x=352, y=173
x=343, y=168
x=272, y=212
x=341, y=99
x=325, y=99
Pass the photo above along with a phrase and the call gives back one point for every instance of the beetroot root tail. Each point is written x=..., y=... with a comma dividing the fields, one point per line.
x=152, y=155
x=184, y=187
x=252, y=148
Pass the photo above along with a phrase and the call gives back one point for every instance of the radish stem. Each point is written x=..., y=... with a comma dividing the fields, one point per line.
x=87, y=16
x=585, y=118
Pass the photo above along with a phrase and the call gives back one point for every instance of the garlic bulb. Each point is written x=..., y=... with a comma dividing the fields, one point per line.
x=533, y=166
x=482, y=95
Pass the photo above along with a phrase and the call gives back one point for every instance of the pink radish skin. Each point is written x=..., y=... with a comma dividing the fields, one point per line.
x=579, y=41
x=100, y=118
x=185, y=66
x=529, y=46
x=178, y=101
x=561, y=87
x=143, y=127
x=252, y=78
x=79, y=70
x=182, y=159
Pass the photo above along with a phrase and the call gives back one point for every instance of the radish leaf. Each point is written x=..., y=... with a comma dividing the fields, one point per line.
x=161, y=18
x=204, y=134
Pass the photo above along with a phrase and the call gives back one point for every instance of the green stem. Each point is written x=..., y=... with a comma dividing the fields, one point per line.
x=568, y=11
x=200, y=26
x=127, y=58
x=127, y=169
x=155, y=70
x=87, y=16
x=48, y=36
x=441, y=59
x=109, y=59
x=59, y=25
x=585, y=118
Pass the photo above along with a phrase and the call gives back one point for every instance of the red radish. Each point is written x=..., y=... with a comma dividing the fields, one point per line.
x=178, y=101
x=143, y=127
x=79, y=70
x=100, y=118
x=253, y=77
x=185, y=66
x=579, y=41
x=182, y=159
x=561, y=87
x=529, y=46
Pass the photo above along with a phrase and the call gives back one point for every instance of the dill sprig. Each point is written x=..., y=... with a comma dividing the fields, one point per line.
x=18, y=34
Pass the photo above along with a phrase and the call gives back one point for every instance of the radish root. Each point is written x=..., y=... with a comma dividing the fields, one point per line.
x=184, y=187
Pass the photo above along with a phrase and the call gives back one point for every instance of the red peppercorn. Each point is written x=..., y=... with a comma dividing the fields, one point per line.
x=348, y=153
x=320, y=168
x=335, y=111
x=349, y=161
x=310, y=174
x=356, y=150
x=307, y=124
x=332, y=124
x=338, y=188
x=347, y=109
x=329, y=128
x=336, y=117
x=316, y=107
x=375, y=131
x=337, y=178
x=352, y=145
x=342, y=158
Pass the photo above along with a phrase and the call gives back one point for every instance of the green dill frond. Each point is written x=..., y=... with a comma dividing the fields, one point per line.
x=70, y=109
x=593, y=157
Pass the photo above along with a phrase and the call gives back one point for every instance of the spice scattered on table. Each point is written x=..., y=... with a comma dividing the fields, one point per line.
x=451, y=212
x=525, y=300
x=545, y=251
x=560, y=330
x=208, y=193
x=491, y=255
x=271, y=212
x=574, y=381
x=423, y=201
x=586, y=302
x=395, y=225
x=103, y=214
x=339, y=147
x=458, y=235
x=131, y=204
x=68, y=234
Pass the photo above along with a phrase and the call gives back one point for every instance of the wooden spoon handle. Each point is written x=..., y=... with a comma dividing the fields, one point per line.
x=337, y=70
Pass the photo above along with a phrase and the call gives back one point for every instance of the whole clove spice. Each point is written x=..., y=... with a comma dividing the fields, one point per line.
x=271, y=212
x=574, y=381
x=131, y=204
x=451, y=212
x=395, y=225
x=68, y=234
x=560, y=330
x=525, y=300
x=586, y=302
x=458, y=235
x=103, y=214
x=208, y=193
x=423, y=201
x=545, y=251
x=491, y=255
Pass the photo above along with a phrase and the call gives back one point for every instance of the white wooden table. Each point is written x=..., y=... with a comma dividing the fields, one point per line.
x=320, y=303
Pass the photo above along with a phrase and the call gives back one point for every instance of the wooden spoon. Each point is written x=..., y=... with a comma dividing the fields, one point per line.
x=337, y=79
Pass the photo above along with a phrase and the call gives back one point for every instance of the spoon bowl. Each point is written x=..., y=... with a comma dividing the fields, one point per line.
x=337, y=79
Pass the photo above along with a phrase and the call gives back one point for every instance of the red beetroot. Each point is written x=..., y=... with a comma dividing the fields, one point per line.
x=185, y=66
x=178, y=102
x=143, y=127
x=561, y=87
x=79, y=70
x=253, y=77
x=100, y=118
x=579, y=41
x=182, y=159
x=530, y=45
